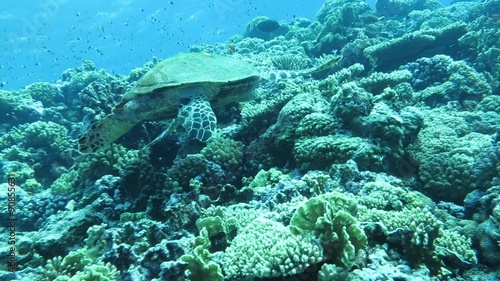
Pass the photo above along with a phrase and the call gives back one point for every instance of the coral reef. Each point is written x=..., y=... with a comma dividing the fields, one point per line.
x=383, y=166
x=279, y=253
x=45, y=92
x=393, y=53
x=330, y=217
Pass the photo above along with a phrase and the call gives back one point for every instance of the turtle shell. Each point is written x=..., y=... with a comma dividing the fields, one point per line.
x=230, y=76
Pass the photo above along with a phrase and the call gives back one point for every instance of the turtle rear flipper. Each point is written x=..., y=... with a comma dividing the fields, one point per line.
x=195, y=113
x=104, y=132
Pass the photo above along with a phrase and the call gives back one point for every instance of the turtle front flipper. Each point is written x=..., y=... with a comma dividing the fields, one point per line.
x=195, y=113
x=104, y=132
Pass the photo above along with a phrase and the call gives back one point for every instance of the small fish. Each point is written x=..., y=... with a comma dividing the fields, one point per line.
x=232, y=47
x=494, y=16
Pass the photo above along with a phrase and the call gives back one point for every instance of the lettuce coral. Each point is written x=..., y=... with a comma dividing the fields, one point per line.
x=330, y=217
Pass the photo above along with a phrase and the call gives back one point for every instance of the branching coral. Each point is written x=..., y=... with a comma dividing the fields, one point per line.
x=322, y=152
x=278, y=253
x=223, y=151
x=45, y=92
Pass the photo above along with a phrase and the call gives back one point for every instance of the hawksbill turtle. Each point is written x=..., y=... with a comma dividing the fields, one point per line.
x=188, y=86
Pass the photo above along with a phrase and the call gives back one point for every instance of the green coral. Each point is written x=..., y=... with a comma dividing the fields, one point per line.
x=216, y=225
x=386, y=125
x=17, y=107
x=489, y=103
x=418, y=226
x=48, y=136
x=223, y=151
x=82, y=264
x=264, y=180
x=218, y=230
x=94, y=272
x=264, y=106
x=185, y=169
x=76, y=79
x=133, y=217
x=450, y=175
x=329, y=272
x=351, y=102
x=25, y=175
x=336, y=23
x=105, y=162
x=278, y=253
x=467, y=81
x=329, y=86
x=409, y=214
x=41, y=149
x=291, y=62
x=480, y=44
x=419, y=220
x=378, y=81
x=94, y=166
x=440, y=133
x=32, y=186
x=322, y=152
x=316, y=183
x=450, y=243
x=317, y=124
x=65, y=184
x=395, y=52
x=77, y=267
x=200, y=267
x=281, y=136
x=45, y=92
x=331, y=218
x=458, y=82
x=382, y=195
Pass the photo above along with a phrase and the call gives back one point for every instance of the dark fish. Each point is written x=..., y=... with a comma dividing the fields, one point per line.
x=268, y=26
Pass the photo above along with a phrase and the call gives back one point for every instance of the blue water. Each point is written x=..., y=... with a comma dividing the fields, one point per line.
x=40, y=39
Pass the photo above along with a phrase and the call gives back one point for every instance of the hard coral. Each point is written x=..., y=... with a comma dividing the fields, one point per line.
x=322, y=152
x=48, y=136
x=223, y=151
x=282, y=135
x=278, y=253
x=330, y=217
x=45, y=92
x=395, y=52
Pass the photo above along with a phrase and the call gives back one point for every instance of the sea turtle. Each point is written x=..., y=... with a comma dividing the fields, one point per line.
x=188, y=86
